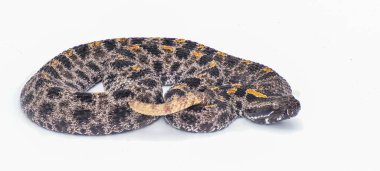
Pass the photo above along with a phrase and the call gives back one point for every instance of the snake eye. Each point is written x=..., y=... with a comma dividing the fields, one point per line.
x=275, y=106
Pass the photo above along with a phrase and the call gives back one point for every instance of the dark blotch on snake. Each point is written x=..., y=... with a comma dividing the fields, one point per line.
x=109, y=44
x=182, y=53
x=82, y=75
x=196, y=108
x=139, y=74
x=192, y=82
x=206, y=127
x=119, y=64
x=191, y=71
x=168, y=41
x=188, y=118
x=190, y=45
x=173, y=92
x=143, y=59
x=93, y=66
x=205, y=59
x=268, y=75
x=220, y=104
x=51, y=71
x=223, y=118
x=238, y=105
x=82, y=115
x=84, y=97
x=152, y=49
x=254, y=67
x=54, y=92
x=157, y=66
x=61, y=126
x=71, y=85
x=240, y=92
x=214, y=71
x=149, y=82
x=120, y=94
x=119, y=113
x=126, y=52
x=209, y=50
x=142, y=119
x=27, y=99
x=250, y=97
x=97, y=130
x=158, y=98
x=137, y=40
x=46, y=109
x=175, y=66
x=231, y=61
x=82, y=50
x=64, y=61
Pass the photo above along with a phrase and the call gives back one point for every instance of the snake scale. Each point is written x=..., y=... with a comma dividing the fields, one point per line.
x=209, y=88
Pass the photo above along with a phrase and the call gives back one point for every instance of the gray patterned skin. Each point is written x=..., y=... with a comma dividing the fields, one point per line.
x=136, y=68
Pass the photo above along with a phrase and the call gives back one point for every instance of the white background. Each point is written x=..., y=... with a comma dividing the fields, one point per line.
x=328, y=50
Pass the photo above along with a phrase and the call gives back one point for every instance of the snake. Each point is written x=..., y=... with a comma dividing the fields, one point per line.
x=209, y=89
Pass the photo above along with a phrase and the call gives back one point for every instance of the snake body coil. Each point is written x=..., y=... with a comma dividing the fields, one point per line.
x=209, y=89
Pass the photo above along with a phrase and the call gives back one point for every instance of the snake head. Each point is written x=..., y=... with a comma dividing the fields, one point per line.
x=272, y=110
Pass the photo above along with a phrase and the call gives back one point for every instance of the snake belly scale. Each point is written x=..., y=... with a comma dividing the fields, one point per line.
x=210, y=89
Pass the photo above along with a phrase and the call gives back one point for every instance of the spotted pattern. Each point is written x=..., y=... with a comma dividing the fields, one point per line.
x=136, y=69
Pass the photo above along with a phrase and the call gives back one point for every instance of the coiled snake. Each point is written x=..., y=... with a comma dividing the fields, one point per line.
x=210, y=89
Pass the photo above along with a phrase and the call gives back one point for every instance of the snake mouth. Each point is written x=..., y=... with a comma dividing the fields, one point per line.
x=274, y=118
x=175, y=105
